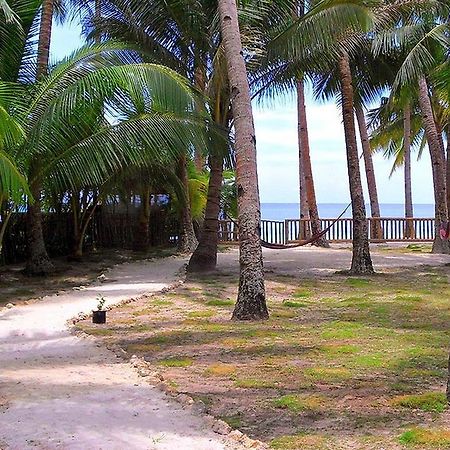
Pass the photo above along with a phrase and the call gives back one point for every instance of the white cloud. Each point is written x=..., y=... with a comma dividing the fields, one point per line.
x=276, y=133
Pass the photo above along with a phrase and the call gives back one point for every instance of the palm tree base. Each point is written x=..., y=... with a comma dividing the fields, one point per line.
x=202, y=263
x=441, y=246
x=251, y=302
x=39, y=266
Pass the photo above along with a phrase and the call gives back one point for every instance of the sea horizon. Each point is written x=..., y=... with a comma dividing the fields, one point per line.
x=281, y=211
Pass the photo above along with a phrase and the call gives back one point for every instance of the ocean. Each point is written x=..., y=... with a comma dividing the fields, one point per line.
x=281, y=211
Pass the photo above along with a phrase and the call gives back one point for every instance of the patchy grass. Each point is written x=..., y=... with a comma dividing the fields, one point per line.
x=300, y=441
x=235, y=420
x=343, y=362
x=430, y=401
x=175, y=362
x=220, y=370
x=201, y=314
x=296, y=403
x=302, y=293
x=219, y=302
x=426, y=438
x=291, y=304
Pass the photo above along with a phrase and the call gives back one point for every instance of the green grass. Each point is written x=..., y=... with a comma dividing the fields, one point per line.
x=175, y=362
x=297, y=403
x=235, y=420
x=356, y=358
x=328, y=374
x=292, y=304
x=302, y=293
x=430, y=402
x=426, y=438
x=254, y=383
x=358, y=282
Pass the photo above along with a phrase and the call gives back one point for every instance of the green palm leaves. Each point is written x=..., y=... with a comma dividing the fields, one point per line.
x=96, y=113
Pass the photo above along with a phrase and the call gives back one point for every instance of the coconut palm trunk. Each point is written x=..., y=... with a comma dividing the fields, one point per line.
x=142, y=237
x=448, y=166
x=306, y=167
x=187, y=242
x=251, y=301
x=409, y=210
x=204, y=258
x=38, y=261
x=200, y=84
x=376, y=230
x=438, y=166
x=361, y=261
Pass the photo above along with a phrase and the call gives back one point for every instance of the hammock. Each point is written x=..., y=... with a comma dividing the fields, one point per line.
x=302, y=243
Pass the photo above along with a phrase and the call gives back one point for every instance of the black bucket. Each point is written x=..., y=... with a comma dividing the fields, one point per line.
x=98, y=316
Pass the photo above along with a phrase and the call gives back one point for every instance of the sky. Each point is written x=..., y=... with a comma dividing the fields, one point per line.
x=276, y=135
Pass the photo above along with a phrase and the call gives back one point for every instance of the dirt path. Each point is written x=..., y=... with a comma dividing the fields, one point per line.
x=307, y=261
x=58, y=391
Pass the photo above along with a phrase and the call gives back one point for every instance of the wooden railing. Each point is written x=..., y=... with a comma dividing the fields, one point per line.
x=386, y=229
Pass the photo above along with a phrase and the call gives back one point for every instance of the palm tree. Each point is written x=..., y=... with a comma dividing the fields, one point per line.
x=63, y=117
x=361, y=261
x=376, y=232
x=425, y=38
x=251, y=301
x=306, y=174
x=396, y=127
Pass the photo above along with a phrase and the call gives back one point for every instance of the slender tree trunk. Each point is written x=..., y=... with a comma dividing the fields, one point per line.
x=306, y=165
x=200, y=84
x=251, y=301
x=204, y=258
x=376, y=231
x=448, y=167
x=361, y=261
x=142, y=237
x=304, y=229
x=7, y=214
x=438, y=165
x=187, y=242
x=39, y=262
x=448, y=381
x=45, y=34
x=409, y=210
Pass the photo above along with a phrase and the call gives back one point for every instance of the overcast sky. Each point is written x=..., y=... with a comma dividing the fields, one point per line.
x=276, y=134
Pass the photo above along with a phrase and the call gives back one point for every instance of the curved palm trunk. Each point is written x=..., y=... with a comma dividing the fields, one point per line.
x=448, y=166
x=187, y=242
x=204, y=258
x=409, y=210
x=251, y=301
x=361, y=261
x=438, y=165
x=376, y=229
x=39, y=262
x=306, y=167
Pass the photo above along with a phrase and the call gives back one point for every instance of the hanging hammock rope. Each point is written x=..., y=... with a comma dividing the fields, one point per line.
x=302, y=243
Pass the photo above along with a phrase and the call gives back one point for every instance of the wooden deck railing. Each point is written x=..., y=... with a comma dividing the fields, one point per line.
x=386, y=229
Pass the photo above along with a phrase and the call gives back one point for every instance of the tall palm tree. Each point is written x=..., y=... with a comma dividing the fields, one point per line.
x=251, y=301
x=361, y=261
x=424, y=39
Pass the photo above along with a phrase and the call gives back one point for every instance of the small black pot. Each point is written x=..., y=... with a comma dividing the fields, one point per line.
x=98, y=316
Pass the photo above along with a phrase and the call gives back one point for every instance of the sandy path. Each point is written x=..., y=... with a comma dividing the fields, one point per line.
x=308, y=261
x=58, y=391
